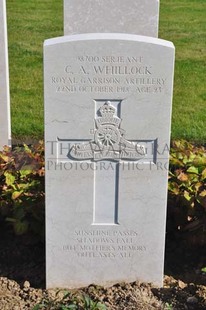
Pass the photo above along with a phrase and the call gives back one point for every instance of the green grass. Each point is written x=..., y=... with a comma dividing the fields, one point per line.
x=31, y=22
x=183, y=22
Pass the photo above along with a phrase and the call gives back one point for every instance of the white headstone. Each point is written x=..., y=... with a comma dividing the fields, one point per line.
x=107, y=120
x=5, y=126
x=139, y=17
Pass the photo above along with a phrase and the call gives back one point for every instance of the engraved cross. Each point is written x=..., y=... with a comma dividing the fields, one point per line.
x=106, y=150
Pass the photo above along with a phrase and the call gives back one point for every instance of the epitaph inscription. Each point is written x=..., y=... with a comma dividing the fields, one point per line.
x=103, y=244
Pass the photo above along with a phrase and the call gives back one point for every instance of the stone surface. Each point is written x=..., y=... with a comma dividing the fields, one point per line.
x=139, y=17
x=107, y=133
x=5, y=126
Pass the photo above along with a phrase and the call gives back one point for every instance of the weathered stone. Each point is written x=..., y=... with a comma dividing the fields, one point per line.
x=107, y=122
x=139, y=17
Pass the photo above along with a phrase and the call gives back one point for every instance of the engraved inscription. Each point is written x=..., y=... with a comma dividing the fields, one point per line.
x=109, y=74
x=105, y=244
x=110, y=59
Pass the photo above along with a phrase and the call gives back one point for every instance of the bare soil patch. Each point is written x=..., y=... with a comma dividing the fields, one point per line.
x=22, y=279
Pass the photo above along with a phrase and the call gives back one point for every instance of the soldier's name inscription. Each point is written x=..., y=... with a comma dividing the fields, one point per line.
x=107, y=74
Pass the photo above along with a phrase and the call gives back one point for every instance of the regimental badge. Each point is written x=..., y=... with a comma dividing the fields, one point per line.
x=109, y=141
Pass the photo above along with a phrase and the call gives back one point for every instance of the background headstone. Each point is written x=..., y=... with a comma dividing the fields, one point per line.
x=107, y=132
x=139, y=17
x=5, y=126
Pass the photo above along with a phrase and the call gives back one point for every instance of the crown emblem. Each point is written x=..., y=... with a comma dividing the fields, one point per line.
x=107, y=110
x=107, y=115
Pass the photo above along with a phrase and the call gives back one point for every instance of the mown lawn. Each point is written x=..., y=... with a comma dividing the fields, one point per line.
x=31, y=22
x=184, y=23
